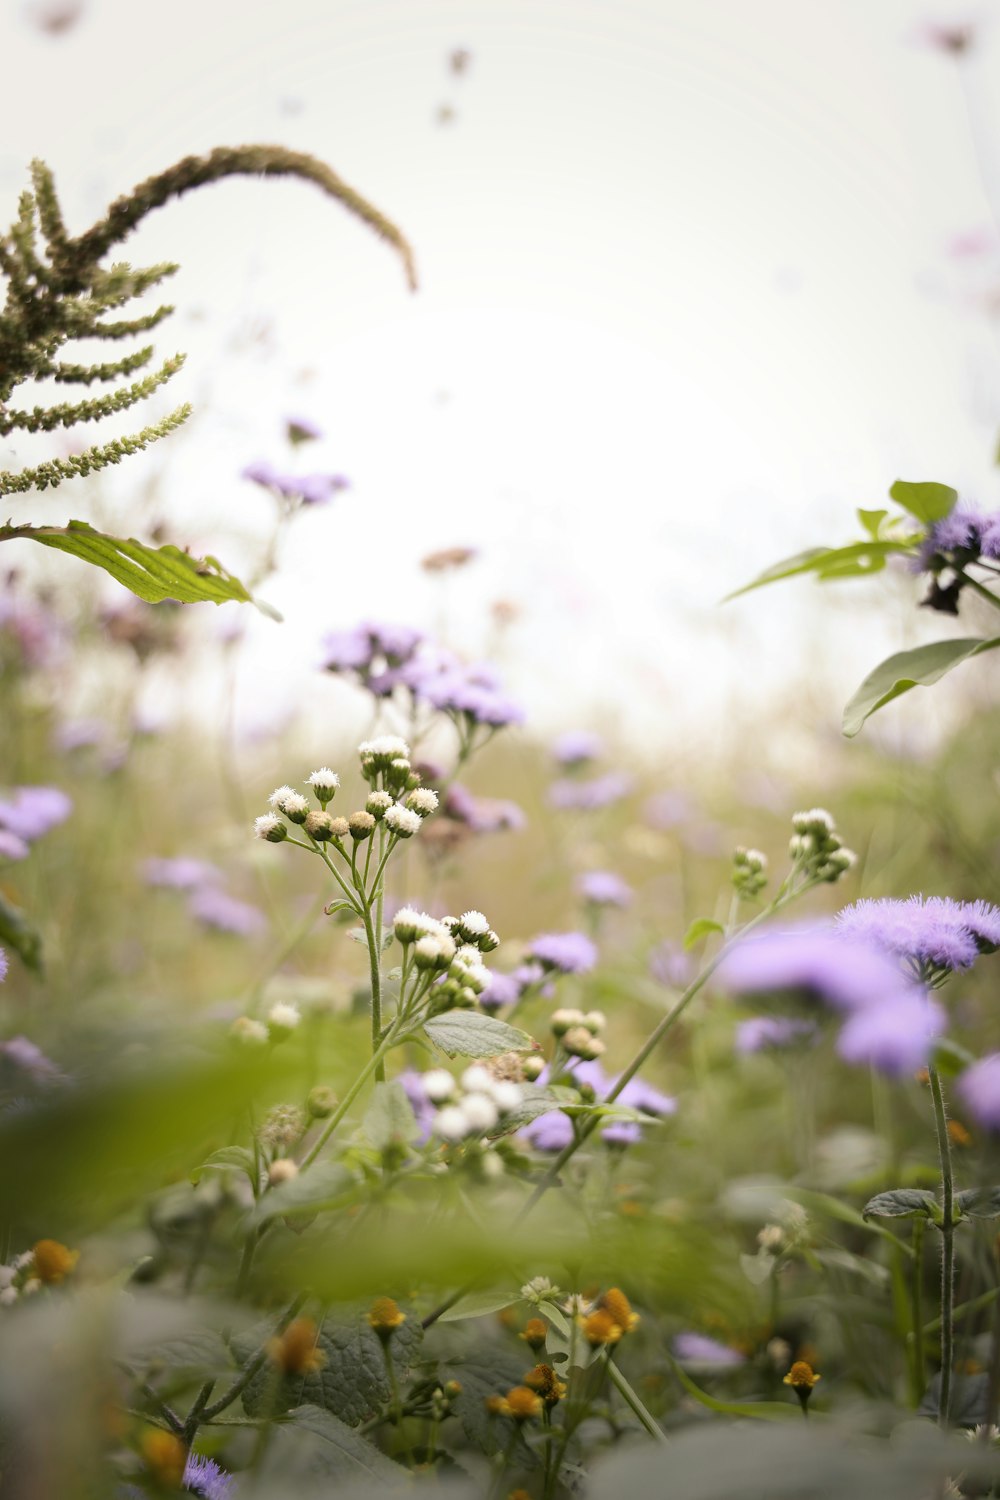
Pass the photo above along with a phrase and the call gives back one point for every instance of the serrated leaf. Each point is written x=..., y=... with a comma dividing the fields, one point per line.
x=313, y=1443
x=908, y=669
x=20, y=934
x=979, y=1203
x=352, y=1382
x=319, y=1187
x=389, y=1119
x=479, y=1304
x=700, y=928
x=153, y=573
x=468, y=1033
x=927, y=501
x=902, y=1203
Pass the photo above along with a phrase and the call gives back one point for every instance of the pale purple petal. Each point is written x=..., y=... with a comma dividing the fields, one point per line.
x=897, y=1037
x=182, y=874
x=815, y=961
x=577, y=746
x=761, y=1032
x=33, y=810
x=698, y=1348
x=12, y=847
x=979, y=1090
x=214, y=908
x=567, y=952
x=604, y=888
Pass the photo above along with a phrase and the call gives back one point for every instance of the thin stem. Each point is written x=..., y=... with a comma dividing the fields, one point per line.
x=255, y=1363
x=917, y=1288
x=373, y=934
x=947, y=1247
x=633, y=1399
x=979, y=588
x=372, y=1066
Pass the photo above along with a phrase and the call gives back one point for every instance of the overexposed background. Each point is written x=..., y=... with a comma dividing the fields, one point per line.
x=696, y=281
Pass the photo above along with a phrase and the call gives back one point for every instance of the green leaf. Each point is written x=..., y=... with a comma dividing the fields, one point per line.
x=908, y=669
x=857, y=559
x=902, y=1203
x=389, y=1119
x=928, y=502
x=20, y=934
x=979, y=1203
x=153, y=573
x=352, y=1382
x=763, y=1411
x=872, y=520
x=699, y=929
x=534, y=1102
x=317, y=1188
x=314, y=1444
x=468, y=1033
x=478, y=1304
x=235, y=1158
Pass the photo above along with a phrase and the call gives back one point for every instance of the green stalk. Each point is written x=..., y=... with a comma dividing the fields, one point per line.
x=947, y=1247
x=373, y=934
x=917, y=1285
x=373, y=1065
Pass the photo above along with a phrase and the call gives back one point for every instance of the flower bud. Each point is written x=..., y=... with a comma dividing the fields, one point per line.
x=339, y=828
x=488, y=942
x=378, y=804
x=270, y=827
x=579, y=1042
x=281, y=1170
x=322, y=1102
x=422, y=801
x=282, y=1020
x=295, y=807
x=319, y=826
x=250, y=1032
x=563, y=1020
x=401, y=821
x=324, y=784
x=361, y=825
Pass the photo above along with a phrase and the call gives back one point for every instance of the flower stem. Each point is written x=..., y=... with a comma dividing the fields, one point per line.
x=372, y=1066
x=917, y=1286
x=947, y=1247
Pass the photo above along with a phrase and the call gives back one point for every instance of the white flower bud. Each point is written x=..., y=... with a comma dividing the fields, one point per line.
x=324, y=783
x=480, y=1112
x=270, y=827
x=423, y=801
x=477, y=1079
x=450, y=1124
x=402, y=822
x=245, y=1029
x=282, y=1170
x=282, y=1020
x=506, y=1095
x=438, y=1085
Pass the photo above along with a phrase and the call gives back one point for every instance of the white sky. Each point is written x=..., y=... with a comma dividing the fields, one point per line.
x=686, y=300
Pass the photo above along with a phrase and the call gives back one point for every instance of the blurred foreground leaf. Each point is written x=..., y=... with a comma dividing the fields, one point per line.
x=314, y=1444
x=857, y=559
x=352, y=1383
x=18, y=933
x=929, y=502
x=909, y=669
x=468, y=1033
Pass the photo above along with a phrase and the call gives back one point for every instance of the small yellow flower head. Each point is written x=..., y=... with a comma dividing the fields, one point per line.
x=958, y=1134
x=522, y=1404
x=546, y=1382
x=52, y=1261
x=802, y=1376
x=295, y=1351
x=599, y=1327
x=495, y=1405
x=385, y=1316
x=534, y=1333
x=617, y=1304
x=165, y=1457
x=519, y=1495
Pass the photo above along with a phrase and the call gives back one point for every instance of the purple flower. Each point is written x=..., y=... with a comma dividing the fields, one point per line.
x=396, y=643
x=933, y=932
x=554, y=1130
x=33, y=811
x=482, y=814
x=896, y=1037
x=816, y=961
x=698, y=1349
x=979, y=1090
x=3, y=964
x=182, y=874
x=604, y=888
x=344, y=650
x=577, y=746
x=202, y=1476
x=761, y=1032
x=310, y=489
x=28, y=1059
x=566, y=952
x=12, y=847
x=78, y=734
x=670, y=965
x=214, y=908
x=668, y=810
x=550, y=1132
x=622, y=1133
x=569, y=795
x=502, y=989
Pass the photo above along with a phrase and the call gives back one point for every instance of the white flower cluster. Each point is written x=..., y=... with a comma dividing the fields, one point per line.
x=16, y=1279
x=817, y=847
x=578, y=1032
x=471, y=1105
x=401, y=803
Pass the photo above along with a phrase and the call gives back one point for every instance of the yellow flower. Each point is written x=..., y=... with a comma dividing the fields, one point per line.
x=802, y=1376
x=546, y=1382
x=599, y=1327
x=385, y=1316
x=617, y=1304
x=165, y=1457
x=522, y=1404
x=295, y=1351
x=53, y=1261
x=535, y=1333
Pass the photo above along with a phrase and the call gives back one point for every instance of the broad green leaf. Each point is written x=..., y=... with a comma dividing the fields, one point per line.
x=871, y=520
x=979, y=1203
x=317, y=1188
x=534, y=1102
x=153, y=573
x=701, y=928
x=468, y=1033
x=762, y=1411
x=902, y=1203
x=929, y=502
x=908, y=669
x=854, y=560
x=20, y=934
x=479, y=1304
x=389, y=1119
x=314, y=1444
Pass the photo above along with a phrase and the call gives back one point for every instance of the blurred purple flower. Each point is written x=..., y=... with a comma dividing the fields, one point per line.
x=33, y=810
x=604, y=888
x=761, y=1032
x=699, y=1349
x=933, y=931
x=214, y=908
x=12, y=847
x=482, y=814
x=183, y=874
x=550, y=1132
x=819, y=962
x=310, y=489
x=667, y=810
x=577, y=746
x=565, y=952
x=78, y=734
x=28, y=1059
x=202, y=1476
x=346, y=650
x=554, y=1130
x=622, y=1133
x=589, y=796
x=979, y=1090
x=670, y=965
x=3, y=964
x=502, y=989
x=895, y=1037
x=412, y=1084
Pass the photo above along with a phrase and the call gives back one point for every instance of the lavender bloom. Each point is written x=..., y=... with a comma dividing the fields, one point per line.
x=346, y=650
x=78, y=734
x=935, y=933
x=622, y=1133
x=3, y=964
x=816, y=961
x=550, y=1132
x=502, y=989
x=12, y=847
x=214, y=908
x=470, y=691
x=979, y=1090
x=566, y=952
x=577, y=746
x=590, y=796
x=482, y=814
x=698, y=1349
x=897, y=1037
x=668, y=810
x=396, y=643
x=33, y=811
x=27, y=1059
x=554, y=1130
x=761, y=1032
x=183, y=874
x=604, y=888
x=301, y=430
x=202, y=1476
x=309, y=489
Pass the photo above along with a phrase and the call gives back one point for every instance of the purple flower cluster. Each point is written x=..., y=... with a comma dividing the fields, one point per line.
x=934, y=934
x=699, y=1349
x=965, y=530
x=554, y=1130
x=760, y=1033
x=183, y=874
x=3, y=965
x=387, y=657
x=208, y=903
x=29, y=1062
x=571, y=795
x=564, y=952
x=482, y=814
x=888, y=1019
x=604, y=888
x=576, y=747
x=202, y=1476
x=307, y=489
x=28, y=814
x=979, y=1090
